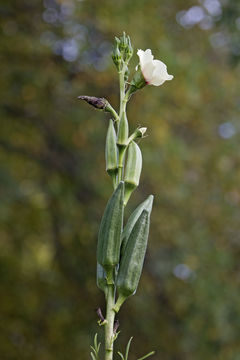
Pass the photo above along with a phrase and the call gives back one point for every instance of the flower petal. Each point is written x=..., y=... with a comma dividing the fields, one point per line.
x=153, y=71
x=147, y=71
x=144, y=56
x=160, y=74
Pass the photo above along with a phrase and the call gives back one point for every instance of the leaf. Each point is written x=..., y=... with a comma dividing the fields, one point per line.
x=121, y=355
x=146, y=356
x=95, y=348
x=127, y=350
x=128, y=347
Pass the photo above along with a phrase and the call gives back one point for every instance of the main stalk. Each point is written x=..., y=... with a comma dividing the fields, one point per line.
x=109, y=326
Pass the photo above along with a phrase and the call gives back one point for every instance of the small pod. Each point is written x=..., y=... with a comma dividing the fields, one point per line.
x=101, y=278
x=122, y=136
x=109, y=236
x=111, y=152
x=147, y=205
x=132, y=260
x=133, y=170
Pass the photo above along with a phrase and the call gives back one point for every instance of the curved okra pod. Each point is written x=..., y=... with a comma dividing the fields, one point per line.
x=109, y=237
x=133, y=170
x=132, y=260
x=147, y=205
x=111, y=151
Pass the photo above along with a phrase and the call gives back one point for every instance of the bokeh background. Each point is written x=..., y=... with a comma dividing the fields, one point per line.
x=54, y=186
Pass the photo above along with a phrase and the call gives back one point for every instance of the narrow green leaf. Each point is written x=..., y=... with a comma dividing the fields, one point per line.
x=121, y=355
x=128, y=347
x=146, y=356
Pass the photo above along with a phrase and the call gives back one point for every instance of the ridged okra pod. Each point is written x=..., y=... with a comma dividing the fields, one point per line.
x=109, y=236
x=111, y=151
x=101, y=278
x=147, y=205
x=122, y=137
x=133, y=170
x=132, y=260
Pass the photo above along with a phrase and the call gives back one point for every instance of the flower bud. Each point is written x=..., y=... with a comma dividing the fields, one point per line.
x=126, y=75
x=124, y=46
x=116, y=54
x=133, y=170
x=111, y=150
x=122, y=137
x=128, y=50
x=123, y=43
x=99, y=103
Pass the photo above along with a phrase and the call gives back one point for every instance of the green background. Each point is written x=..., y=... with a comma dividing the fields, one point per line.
x=54, y=186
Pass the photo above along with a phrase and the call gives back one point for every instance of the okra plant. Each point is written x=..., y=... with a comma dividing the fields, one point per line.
x=121, y=249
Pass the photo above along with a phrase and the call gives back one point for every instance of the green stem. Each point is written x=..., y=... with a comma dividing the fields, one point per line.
x=119, y=303
x=113, y=112
x=110, y=316
x=122, y=92
x=122, y=110
x=121, y=162
x=110, y=291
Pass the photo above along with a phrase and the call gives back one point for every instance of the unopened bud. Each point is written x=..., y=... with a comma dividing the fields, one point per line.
x=124, y=46
x=126, y=75
x=123, y=42
x=99, y=103
x=128, y=50
x=116, y=54
x=117, y=40
x=133, y=170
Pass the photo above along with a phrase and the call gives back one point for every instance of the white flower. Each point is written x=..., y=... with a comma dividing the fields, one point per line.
x=154, y=71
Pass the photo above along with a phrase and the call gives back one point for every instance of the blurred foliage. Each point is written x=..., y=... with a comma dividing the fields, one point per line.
x=54, y=187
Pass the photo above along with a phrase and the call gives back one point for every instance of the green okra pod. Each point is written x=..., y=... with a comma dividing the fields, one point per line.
x=111, y=151
x=147, y=205
x=132, y=260
x=122, y=136
x=133, y=170
x=109, y=237
x=101, y=278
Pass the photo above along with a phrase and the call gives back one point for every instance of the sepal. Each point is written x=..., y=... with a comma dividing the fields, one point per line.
x=137, y=83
